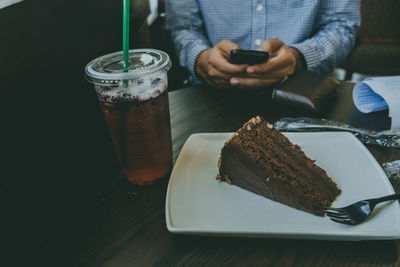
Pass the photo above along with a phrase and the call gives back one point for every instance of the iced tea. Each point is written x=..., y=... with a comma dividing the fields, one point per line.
x=135, y=106
x=141, y=134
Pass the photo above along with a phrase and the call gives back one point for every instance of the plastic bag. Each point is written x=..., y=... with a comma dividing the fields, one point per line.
x=392, y=169
x=305, y=124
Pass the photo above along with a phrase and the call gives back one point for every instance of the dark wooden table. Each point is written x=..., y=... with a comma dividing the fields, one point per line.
x=131, y=230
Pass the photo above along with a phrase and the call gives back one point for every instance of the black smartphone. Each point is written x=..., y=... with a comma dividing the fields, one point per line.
x=251, y=57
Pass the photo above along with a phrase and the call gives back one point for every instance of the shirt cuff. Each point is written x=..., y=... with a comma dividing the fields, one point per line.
x=193, y=54
x=310, y=55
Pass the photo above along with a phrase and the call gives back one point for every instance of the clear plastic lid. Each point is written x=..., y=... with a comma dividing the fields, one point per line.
x=109, y=69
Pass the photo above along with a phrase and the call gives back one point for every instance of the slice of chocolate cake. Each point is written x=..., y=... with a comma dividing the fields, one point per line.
x=262, y=160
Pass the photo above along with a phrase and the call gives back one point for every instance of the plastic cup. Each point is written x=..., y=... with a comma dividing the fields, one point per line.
x=136, y=109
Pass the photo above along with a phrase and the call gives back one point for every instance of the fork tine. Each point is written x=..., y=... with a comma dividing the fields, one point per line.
x=343, y=221
x=338, y=215
x=333, y=210
x=326, y=208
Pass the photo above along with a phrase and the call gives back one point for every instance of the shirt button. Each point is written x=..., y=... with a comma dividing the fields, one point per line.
x=257, y=42
x=259, y=7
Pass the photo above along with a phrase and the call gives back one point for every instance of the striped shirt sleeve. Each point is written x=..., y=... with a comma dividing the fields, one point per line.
x=187, y=32
x=336, y=23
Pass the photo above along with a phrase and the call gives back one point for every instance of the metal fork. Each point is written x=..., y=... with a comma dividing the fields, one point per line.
x=358, y=212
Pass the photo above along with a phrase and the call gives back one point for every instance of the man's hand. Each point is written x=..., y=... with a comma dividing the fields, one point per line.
x=213, y=67
x=283, y=61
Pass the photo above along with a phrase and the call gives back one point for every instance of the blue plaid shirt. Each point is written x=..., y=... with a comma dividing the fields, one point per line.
x=323, y=31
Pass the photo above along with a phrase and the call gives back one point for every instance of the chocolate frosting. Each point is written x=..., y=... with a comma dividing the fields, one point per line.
x=302, y=185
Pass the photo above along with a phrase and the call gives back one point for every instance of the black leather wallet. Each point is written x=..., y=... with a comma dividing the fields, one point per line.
x=306, y=90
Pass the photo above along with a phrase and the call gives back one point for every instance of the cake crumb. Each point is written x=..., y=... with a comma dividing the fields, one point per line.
x=270, y=126
x=230, y=138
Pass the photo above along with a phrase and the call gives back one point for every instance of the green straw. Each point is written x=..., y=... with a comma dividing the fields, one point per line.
x=125, y=37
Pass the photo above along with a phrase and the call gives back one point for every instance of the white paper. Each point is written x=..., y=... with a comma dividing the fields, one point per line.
x=375, y=94
x=6, y=3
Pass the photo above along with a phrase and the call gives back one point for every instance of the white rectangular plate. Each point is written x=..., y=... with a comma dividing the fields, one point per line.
x=199, y=204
